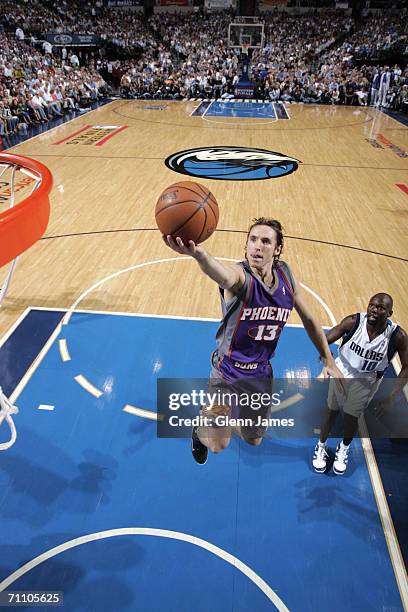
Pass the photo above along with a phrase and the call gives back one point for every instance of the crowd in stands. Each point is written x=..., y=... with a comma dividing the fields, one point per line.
x=125, y=29
x=378, y=35
x=35, y=88
x=324, y=58
x=304, y=59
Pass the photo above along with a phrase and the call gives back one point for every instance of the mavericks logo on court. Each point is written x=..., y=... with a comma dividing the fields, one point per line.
x=232, y=163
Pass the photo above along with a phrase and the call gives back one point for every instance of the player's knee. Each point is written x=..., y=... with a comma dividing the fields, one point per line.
x=253, y=441
x=217, y=446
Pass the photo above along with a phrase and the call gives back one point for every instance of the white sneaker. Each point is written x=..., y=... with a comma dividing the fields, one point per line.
x=341, y=459
x=320, y=458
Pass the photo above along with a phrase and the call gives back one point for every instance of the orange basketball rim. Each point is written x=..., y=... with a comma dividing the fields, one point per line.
x=23, y=224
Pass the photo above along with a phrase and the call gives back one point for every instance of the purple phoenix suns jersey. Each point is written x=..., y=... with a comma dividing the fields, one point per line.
x=252, y=323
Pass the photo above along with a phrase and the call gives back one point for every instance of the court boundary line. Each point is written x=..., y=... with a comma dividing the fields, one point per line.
x=133, y=314
x=34, y=365
x=214, y=126
x=387, y=523
x=381, y=111
x=284, y=106
x=259, y=120
x=145, y=314
x=232, y=231
x=7, y=334
x=207, y=109
x=164, y=533
x=397, y=368
x=196, y=108
x=145, y=158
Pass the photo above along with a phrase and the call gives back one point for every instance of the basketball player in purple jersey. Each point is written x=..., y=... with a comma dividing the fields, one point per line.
x=257, y=297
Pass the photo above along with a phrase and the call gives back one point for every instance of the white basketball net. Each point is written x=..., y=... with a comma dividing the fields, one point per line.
x=8, y=177
x=6, y=412
x=13, y=179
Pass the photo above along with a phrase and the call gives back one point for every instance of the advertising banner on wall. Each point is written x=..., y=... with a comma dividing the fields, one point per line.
x=123, y=3
x=174, y=2
x=72, y=40
x=269, y=4
x=218, y=4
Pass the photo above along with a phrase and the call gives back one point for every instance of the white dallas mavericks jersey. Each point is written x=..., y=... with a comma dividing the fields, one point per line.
x=360, y=357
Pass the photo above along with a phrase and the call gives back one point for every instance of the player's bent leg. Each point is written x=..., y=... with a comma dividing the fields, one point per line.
x=350, y=426
x=253, y=441
x=216, y=439
x=213, y=437
x=253, y=434
x=215, y=445
x=360, y=393
x=320, y=454
x=342, y=450
x=198, y=449
x=329, y=417
x=254, y=420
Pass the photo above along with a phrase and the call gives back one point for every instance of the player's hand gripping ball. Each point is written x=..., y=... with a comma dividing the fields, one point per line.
x=188, y=210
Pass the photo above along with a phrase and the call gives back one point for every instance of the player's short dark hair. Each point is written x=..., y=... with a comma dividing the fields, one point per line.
x=273, y=223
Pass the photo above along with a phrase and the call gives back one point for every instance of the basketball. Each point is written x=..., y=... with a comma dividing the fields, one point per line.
x=188, y=210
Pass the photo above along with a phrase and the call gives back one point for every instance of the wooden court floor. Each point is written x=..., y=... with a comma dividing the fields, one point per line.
x=345, y=217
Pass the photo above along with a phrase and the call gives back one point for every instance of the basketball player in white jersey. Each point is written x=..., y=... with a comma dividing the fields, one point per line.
x=369, y=342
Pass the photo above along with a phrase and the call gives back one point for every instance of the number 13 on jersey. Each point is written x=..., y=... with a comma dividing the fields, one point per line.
x=265, y=332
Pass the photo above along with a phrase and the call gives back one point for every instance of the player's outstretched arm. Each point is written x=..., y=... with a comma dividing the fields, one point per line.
x=316, y=333
x=338, y=331
x=227, y=277
x=401, y=344
x=335, y=333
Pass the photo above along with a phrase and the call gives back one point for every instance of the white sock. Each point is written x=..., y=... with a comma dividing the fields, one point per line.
x=322, y=444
